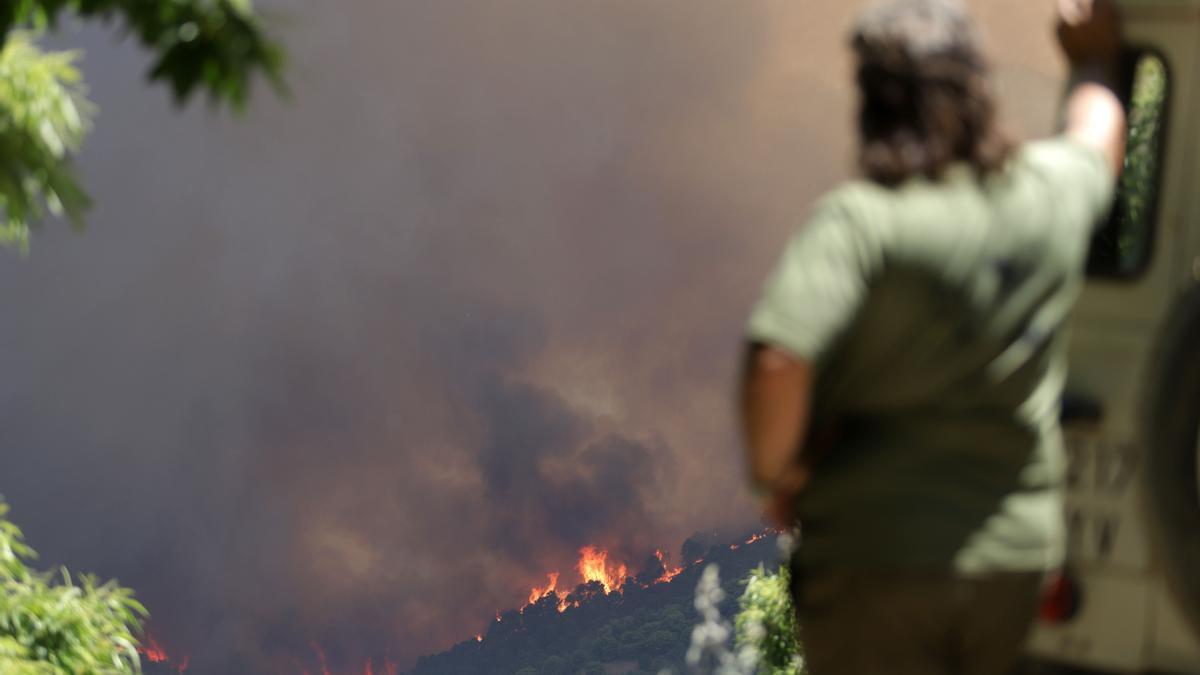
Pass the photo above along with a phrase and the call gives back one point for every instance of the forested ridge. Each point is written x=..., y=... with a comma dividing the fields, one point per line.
x=645, y=628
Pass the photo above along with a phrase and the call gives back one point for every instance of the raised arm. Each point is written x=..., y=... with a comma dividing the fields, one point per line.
x=1090, y=36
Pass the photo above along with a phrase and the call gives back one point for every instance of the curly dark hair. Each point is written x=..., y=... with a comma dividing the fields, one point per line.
x=926, y=99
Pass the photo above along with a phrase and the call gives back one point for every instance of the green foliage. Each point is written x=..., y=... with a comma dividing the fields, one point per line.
x=218, y=45
x=213, y=45
x=1122, y=246
x=43, y=117
x=767, y=623
x=1137, y=186
x=57, y=627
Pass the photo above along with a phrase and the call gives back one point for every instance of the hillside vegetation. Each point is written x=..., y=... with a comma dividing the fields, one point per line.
x=641, y=630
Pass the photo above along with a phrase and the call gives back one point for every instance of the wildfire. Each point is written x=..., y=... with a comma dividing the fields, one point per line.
x=551, y=588
x=669, y=572
x=757, y=537
x=389, y=667
x=320, y=657
x=593, y=566
x=539, y=593
x=155, y=653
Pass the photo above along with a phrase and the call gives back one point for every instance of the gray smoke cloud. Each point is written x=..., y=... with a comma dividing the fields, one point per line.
x=361, y=368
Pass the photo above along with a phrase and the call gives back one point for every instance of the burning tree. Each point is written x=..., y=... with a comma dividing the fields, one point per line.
x=51, y=624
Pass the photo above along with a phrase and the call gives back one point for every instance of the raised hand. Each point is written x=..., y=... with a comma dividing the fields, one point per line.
x=1089, y=31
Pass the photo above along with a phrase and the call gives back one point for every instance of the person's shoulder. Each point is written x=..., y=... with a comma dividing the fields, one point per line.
x=1061, y=153
x=859, y=190
x=1070, y=171
x=857, y=201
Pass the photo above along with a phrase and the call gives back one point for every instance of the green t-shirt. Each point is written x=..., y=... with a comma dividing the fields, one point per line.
x=935, y=313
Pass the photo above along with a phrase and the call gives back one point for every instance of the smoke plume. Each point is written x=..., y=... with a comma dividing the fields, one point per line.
x=362, y=367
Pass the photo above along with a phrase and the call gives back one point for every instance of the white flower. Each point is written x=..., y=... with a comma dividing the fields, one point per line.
x=709, y=651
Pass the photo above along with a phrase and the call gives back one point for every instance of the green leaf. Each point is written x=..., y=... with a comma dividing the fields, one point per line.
x=217, y=46
x=48, y=627
x=44, y=116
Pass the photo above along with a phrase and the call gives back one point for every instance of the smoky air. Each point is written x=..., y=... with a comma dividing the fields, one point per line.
x=356, y=370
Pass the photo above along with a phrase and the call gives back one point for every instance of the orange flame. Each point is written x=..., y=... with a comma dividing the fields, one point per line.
x=593, y=566
x=757, y=537
x=669, y=572
x=539, y=593
x=320, y=657
x=390, y=667
x=155, y=653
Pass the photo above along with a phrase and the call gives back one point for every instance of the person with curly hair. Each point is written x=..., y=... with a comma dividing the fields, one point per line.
x=906, y=360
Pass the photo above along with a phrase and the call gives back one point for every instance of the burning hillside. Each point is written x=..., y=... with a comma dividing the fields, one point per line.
x=609, y=618
x=604, y=589
x=595, y=567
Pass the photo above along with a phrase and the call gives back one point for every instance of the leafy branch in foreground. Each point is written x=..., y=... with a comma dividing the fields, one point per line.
x=217, y=46
x=43, y=118
x=52, y=624
x=767, y=625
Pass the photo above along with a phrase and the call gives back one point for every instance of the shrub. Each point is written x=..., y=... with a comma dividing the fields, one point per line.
x=50, y=625
x=767, y=623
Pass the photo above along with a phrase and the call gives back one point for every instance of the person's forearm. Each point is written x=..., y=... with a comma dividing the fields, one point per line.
x=1089, y=32
x=774, y=405
x=1094, y=113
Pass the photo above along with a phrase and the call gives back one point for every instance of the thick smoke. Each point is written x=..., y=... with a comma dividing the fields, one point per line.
x=360, y=368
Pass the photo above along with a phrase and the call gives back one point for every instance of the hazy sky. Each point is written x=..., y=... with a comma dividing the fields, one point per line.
x=363, y=366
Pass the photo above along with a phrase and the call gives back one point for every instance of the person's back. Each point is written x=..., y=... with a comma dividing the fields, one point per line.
x=923, y=312
x=949, y=365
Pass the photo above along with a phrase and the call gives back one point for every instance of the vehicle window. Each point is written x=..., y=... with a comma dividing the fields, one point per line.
x=1121, y=249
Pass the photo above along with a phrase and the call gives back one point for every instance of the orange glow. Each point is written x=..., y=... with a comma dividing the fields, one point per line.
x=593, y=566
x=551, y=588
x=321, y=657
x=539, y=593
x=753, y=538
x=669, y=572
x=155, y=653
x=389, y=666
